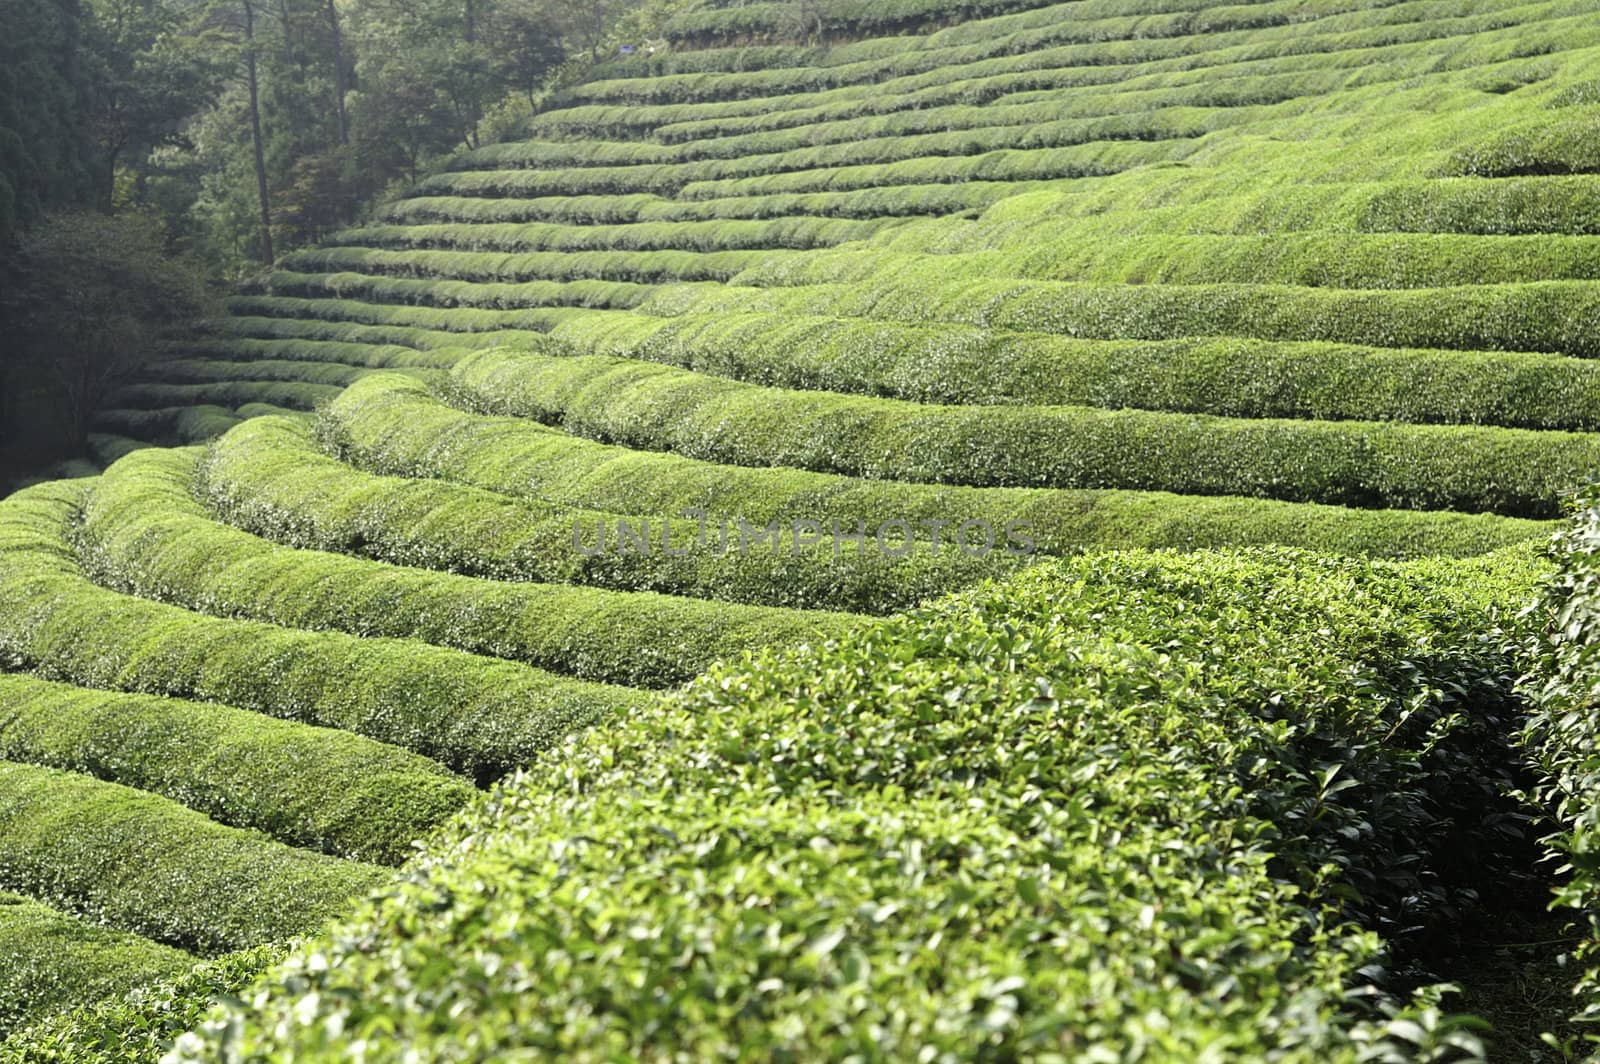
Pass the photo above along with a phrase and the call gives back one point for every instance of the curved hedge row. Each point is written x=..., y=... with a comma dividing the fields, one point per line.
x=631, y=267
x=1226, y=376
x=480, y=716
x=901, y=201
x=1348, y=36
x=148, y=865
x=1517, y=472
x=797, y=233
x=315, y=788
x=271, y=331
x=180, y=424
x=692, y=180
x=1225, y=206
x=53, y=961
x=269, y=479
x=272, y=368
x=1542, y=316
x=233, y=349
x=144, y=532
x=293, y=394
x=141, y=1027
x=1062, y=844
x=1093, y=251
x=392, y=425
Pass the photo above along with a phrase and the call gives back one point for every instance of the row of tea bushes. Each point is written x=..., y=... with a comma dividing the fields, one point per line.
x=1228, y=376
x=268, y=478
x=480, y=716
x=1096, y=251
x=649, y=406
x=142, y=863
x=53, y=961
x=315, y=788
x=142, y=1025
x=1040, y=851
x=144, y=532
x=1541, y=316
x=394, y=426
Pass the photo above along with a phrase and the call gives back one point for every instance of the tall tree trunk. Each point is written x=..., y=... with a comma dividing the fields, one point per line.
x=288, y=44
x=255, y=132
x=338, y=74
x=472, y=114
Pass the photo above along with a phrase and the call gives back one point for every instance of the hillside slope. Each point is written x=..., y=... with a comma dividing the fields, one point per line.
x=756, y=344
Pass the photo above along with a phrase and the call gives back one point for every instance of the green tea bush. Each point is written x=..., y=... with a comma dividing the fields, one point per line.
x=145, y=864
x=176, y=424
x=1544, y=316
x=315, y=788
x=1229, y=376
x=145, y=533
x=650, y=406
x=53, y=961
x=227, y=350
x=393, y=426
x=480, y=716
x=142, y=1025
x=293, y=394
x=1013, y=829
x=798, y=233
x=269, y=479
x=565, y=268
x=1568, y=144
x=1560, y=736
x=1091, y=252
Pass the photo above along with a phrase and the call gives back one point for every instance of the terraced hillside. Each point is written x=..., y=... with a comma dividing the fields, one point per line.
x=754, y=344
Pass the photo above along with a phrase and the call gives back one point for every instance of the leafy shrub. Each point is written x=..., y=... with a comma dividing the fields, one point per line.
x=53, y=961
x=311, y=787
x=269, y=479
x=146, y=864
x=479, y=716
x=1229, y=376
x=391, y=425
x=649, y=406
x=1009, y=831
x=143, y=532
x=142, y=1025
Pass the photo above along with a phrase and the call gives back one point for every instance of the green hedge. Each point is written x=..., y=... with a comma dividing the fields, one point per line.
x=646, y=405
x=392, y=425
x=295, y=395
x=222, y=350
x=1230, y=377
x=53, y=961
x=145, y=864
x=699, y=180
x=145, y=533
x=269, y=479
x=797, y=233
x=1013, y=825
x=480, y=716
x=1561, y=733
x=310, y=787
x=178, y=424
x=607, y=210
x=141, y=1027
x=1103, y=253
x=1541, y=316
x=1553, y=144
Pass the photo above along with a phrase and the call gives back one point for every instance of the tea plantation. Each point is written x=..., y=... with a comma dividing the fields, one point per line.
x=986, y=530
